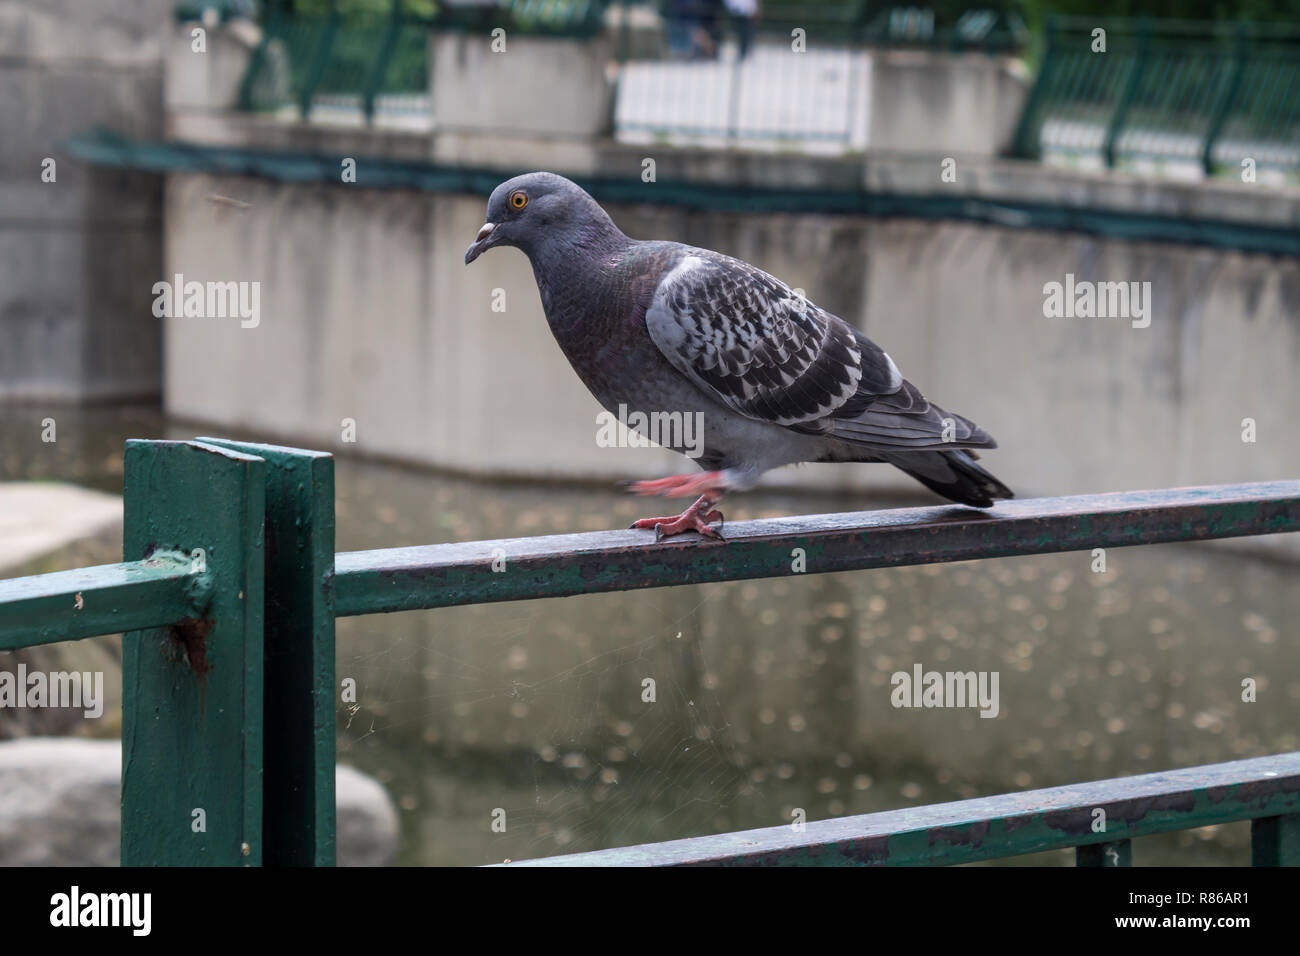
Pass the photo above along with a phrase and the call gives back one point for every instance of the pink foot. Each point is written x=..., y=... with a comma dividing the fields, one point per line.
x=694, y=518
x=707, y=483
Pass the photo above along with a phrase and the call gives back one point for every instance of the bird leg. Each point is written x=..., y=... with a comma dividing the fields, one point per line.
x=712, y=484
x=709, y=485
x=694, y=518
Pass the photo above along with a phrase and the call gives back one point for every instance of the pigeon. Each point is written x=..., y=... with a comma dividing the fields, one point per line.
x=664, y=328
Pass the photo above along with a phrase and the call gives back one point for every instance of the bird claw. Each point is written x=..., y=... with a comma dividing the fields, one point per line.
x=693, y=518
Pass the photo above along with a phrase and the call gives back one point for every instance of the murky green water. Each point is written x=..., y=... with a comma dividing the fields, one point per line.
x=769, y=696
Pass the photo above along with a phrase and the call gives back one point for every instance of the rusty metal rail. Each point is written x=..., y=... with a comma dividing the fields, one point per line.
x=514, y=569
x=970, y=831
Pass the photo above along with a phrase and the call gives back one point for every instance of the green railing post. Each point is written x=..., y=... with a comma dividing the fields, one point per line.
x=319, y=61
x=1130, y=90
x=258, y=60
x=624, y=33
x=1275, y=841
x=1114, y=853
x=380, y=66
x=859, y=21
x=1220, y=118
x=192, y=694
x=1021, y=145
x=299, y=746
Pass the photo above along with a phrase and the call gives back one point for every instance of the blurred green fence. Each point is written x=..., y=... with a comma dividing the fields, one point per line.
x=1168, y=91
x=535, y=17
x=1165, y=91
x=332, y=61
x=363, y=62
x=367, y=62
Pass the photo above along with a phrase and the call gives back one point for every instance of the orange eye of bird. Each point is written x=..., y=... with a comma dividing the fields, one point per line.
x=518, y=200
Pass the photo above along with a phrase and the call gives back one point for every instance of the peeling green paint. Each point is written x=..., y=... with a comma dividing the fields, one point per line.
x=71, y=605
x=443, y=575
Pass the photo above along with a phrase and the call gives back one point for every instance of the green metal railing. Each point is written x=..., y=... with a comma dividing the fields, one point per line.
x=1208, y=94
x=574, y=18
x=333, y=62
x=1172, y=91
x=231, y=587
x=990, y=828
x=355, y=62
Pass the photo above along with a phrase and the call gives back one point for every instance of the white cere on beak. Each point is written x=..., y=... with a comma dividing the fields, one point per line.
x=476, y=246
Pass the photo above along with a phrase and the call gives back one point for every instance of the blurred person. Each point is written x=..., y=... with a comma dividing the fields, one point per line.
x=694, y=28
x=708, y=32
x=677, y=22
x=743, y=13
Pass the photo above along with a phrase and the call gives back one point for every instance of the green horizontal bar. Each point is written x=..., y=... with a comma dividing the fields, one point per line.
x=110, y=598
x=989, y=828
x=114, y=151
x=442, y=575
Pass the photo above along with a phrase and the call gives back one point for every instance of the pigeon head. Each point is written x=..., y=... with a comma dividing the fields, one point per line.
x=540, y=211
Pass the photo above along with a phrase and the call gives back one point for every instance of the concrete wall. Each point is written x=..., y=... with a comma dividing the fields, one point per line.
x=944, y=103
x=546, y=86
x=369, y=314
x=78, y=255
x=207, y=73
x=912, y=100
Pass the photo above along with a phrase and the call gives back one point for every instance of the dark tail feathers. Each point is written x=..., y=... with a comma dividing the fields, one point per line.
x=952, y=474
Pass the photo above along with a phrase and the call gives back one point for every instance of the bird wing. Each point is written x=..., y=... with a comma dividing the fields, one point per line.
x=759, y=347
x=766, y=352
x=905, y=419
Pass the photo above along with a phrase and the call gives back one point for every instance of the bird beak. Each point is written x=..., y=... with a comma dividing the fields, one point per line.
x=482, y=241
